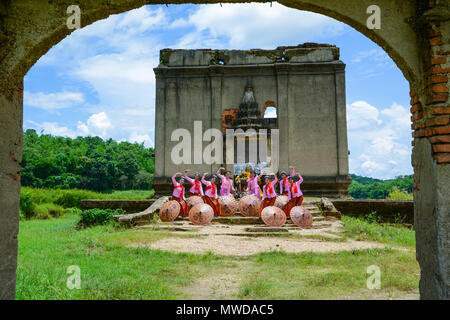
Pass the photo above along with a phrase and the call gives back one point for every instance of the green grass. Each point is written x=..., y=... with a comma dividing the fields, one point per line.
x=342, y=275
x=108, y=270
x=360, y=229
x=116, y=263
x=69, y=198
x=46, y=203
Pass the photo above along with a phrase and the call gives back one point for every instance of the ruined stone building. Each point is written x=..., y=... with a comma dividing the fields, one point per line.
x=232, y=88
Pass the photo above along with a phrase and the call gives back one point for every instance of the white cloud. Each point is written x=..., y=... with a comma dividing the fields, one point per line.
x=379, y=140
x=145, y=138
x=372, y=63
x=99, y=121
x=53, y=101
x=360, y=114
x=254, y=25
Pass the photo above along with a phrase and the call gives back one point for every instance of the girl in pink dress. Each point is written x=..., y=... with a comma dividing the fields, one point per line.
x=295, y=194
x=253, y=184
x=196, y=184
x=284, y=182
x=178, y=193
x=269, y=193
x=227, y=183
x=210, y=196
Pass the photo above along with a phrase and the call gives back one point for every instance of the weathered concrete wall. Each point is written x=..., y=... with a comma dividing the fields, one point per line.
x=387, y=210
x=10, y=156
x=306, y=83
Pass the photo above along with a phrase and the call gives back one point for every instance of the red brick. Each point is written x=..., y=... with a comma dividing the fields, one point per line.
x=443, y=53
x=419, y=134
x=440, y=130
x=437, y=99
x=440, y=110
x=442, y=121
x=416, y=107
x=440, y=88
x=417, y=116
x=439, y=60
x=433, y=33
x=438, y=70
x=415, y=100
x=442, y=157
x=440, y=139
x=437, y=79
x=441, y=148
x=436, y=41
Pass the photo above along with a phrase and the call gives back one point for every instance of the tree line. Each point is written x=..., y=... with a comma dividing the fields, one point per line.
x=370, y=188
x=89, y=163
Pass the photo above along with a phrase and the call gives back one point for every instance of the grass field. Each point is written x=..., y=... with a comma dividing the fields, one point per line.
x=111, y=269
x=45, y=203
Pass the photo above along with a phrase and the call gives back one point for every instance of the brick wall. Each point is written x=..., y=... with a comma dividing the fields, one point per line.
x=431, y=113
x=228, y=113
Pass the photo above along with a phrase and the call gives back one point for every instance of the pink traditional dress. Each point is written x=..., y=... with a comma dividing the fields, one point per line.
x=253, y=187
x=284, y=184
x=211, y=189
x=210, y=196
x=269, y=195
x=295, y=196
x=227, y=185
x=178, y=195
x=196, y=186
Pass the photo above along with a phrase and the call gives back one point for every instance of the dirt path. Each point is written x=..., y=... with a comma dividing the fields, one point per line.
x=219, y=286
x=243, y=246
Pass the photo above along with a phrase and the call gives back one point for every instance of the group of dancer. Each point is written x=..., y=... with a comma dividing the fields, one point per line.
x=289, y=186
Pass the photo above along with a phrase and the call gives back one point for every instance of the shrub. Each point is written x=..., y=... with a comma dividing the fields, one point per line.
x=27, y=204
x=372, y=217
x=97, y=216
x=397, y=194
x=46, y=211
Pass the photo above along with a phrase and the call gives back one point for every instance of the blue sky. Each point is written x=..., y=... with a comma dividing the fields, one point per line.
x=100, y=80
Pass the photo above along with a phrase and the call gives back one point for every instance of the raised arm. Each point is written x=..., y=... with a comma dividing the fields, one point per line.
x=293, y=171
x=276, y=179
x=204, y=181
x=260, y=175
x=174, y=181
x=300, y=179
x=218, y=173
x=186, y=176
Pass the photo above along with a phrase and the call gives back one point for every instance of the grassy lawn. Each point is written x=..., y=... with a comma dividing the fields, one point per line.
x=360, y=229
x=111, y=269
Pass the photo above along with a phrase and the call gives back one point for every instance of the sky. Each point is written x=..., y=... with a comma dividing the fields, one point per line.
x=99, y=80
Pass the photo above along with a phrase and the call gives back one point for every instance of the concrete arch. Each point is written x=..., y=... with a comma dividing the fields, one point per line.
x=48, y=26
x=415, y=34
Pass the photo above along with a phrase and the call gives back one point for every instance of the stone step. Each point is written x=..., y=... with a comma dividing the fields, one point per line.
x=240, y=220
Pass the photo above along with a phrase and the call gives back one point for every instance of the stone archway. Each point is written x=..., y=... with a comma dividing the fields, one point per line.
x=415, y=34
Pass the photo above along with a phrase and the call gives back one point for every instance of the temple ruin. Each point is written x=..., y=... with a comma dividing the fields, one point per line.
x=305, y=83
